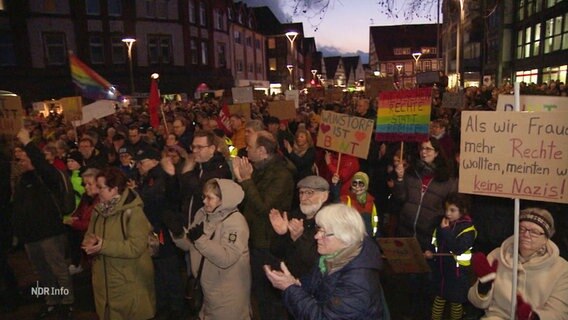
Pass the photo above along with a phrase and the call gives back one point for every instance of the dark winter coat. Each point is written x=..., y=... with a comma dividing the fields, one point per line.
x=36, y=215
x=452, y=280
x=304, y=164
x=271, y=186
x=421, y=212
x=301, y=255
x=352, y=292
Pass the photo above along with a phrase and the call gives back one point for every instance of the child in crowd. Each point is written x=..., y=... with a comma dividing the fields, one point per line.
x=451, y=257
x=363, y=202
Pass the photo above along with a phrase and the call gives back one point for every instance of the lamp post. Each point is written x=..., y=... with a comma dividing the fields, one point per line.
x=459, y=80
x=129, y=42
x=290, y=68
x=291, y=35
x=416, y=56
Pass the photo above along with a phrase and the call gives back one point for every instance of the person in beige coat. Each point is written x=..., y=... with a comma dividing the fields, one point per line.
x=220, y=233
x=117, y=238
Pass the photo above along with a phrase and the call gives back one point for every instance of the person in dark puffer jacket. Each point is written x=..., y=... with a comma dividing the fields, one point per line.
x=345, y=283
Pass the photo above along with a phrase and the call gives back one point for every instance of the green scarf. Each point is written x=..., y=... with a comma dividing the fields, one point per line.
x=333, y=262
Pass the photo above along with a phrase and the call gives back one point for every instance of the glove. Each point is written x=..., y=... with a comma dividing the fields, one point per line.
x=482, y=269
x=174, y=223
x=196, y=232
x=182, y=243
x=524, y=310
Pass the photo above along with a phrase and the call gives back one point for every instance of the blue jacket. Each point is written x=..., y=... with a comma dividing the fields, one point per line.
x=353, y=292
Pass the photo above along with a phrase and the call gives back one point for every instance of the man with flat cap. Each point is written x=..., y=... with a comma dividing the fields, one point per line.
x=295, y=243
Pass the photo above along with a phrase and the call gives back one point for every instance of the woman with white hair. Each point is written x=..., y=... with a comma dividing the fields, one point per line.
x=345, y=283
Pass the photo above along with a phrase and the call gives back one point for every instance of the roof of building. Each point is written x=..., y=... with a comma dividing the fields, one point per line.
x=413, y=36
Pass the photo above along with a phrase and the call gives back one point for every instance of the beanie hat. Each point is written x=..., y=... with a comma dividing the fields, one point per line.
x=76, y=156
x=363, y=177
x=541, y=217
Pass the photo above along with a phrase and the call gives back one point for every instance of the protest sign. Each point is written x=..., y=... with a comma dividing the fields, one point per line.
x=241, y=109
x=242, y=95
x=282, y=109
x=96, y=110
x=293, y=95
x=72, y=108
x=345, y=134
x=453, y=100
x=404, y=255
x=11, y=114
x=515, y=155
x=404, y=115
x=505, y=102
x=333, y=95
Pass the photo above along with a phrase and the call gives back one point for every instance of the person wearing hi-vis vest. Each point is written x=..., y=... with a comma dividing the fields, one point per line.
x=362, y=201
x=450, y=257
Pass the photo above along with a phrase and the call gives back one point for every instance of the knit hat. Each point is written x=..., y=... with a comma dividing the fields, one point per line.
x=541, y=217
x=76, y=156
x=148, y=153
x=363, y=177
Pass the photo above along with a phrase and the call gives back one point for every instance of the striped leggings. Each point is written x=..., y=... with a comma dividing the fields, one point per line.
x=456, y=309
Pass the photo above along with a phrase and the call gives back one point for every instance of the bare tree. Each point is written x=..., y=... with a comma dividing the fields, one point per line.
x=316, y=10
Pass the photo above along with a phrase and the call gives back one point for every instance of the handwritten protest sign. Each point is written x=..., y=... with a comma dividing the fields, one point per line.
x=293, y=95
x=72, y=108
x=376, y=85
x=242, y=109
x=11, y=114
x=282, y=109
x=345, y=134
x=242, y=95
x=404, y=255
x=515, y=154
x=404, y=115
x=505, y=102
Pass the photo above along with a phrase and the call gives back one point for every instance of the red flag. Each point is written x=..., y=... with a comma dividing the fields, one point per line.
x=223, y=120
x=154, y=104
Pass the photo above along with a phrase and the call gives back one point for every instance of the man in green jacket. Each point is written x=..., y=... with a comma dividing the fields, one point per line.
x=268, y=184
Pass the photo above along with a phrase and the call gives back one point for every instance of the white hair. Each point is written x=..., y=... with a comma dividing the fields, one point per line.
x=344, y=222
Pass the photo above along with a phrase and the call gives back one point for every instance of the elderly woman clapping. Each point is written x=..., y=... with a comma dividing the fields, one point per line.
x=345, y=283
x=542, y=284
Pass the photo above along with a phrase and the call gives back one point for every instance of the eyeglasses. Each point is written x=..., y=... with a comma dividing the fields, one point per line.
x=532, y=232
x=427, y=149
x=198, y=147
x=321, y=231
x=307, y=193
x=357, y=183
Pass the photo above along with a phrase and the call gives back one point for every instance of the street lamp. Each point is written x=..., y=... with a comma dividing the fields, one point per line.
x=129, y=42
x=290, y=68
x=416, y=56
x=291, y=35
x=459, y=80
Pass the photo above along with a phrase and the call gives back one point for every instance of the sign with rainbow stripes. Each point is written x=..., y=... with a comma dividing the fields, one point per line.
x=404, y=115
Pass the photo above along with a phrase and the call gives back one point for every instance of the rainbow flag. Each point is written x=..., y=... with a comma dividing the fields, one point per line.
x=92, y=85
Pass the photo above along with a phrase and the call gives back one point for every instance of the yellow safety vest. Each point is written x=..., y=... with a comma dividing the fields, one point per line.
x=374, y=217
x=463, y=259
x=233, y=151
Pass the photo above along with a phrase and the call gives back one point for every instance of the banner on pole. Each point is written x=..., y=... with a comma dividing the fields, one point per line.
x=404, y=115
x=515, y=155
x=345, y=134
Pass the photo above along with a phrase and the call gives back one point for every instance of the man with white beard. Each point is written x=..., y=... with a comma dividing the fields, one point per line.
x=295, y=243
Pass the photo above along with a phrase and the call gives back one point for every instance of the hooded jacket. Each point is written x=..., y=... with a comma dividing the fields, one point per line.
x=123, y=273
x=542, y=282
x=226, y=275
x=352, y=292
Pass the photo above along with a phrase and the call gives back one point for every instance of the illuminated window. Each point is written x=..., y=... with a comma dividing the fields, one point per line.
x=528, y=76
x=202, y=14
x=272, y=64
x=553, y=34
x=536, y=42
x=271, y=43
x=238, y=37
x=204, y=53
x=527, y=50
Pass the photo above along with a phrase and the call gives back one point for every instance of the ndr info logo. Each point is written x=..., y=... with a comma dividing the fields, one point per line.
x=48, y=291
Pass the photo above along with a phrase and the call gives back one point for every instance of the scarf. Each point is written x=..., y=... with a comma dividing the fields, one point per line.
x=300, y=150
x=106, y=209
x=333, y=262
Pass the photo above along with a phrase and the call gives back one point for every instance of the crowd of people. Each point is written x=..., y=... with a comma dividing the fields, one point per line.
x=270, y=225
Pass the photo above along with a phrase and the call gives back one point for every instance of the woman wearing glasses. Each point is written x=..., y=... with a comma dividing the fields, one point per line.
x=422, y=189
x=542, y=283
x=345, y=282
